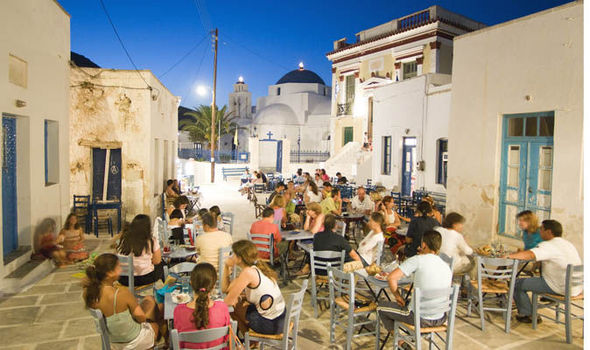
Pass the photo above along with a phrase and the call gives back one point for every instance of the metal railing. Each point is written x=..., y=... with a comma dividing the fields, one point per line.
x=344, y=109
x=232, y=156
x=309, y=156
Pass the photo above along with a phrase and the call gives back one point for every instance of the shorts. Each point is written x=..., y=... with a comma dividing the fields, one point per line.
x=144, y=340
x=152, y=277
x=263, y=325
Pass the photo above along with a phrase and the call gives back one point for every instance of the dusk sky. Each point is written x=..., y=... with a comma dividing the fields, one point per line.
x=260, y=40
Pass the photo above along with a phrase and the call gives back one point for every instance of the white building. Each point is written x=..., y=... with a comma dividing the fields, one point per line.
x=34, y=80
x=516, y=124
x=128, y=121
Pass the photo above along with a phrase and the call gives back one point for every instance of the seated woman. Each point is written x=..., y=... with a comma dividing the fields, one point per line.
x=529, y=224
x=147, y=257
x=170, y=192
x=72, y=237
x=392, y=223
x=313, y=194
x=46, y=246
x=372, y=244
x=216, y=212
x=180, y=203
x=263, y=309
x=130, y=325
x=202, y=312
x=435, y=213
x=280, y=215
x=314, y=222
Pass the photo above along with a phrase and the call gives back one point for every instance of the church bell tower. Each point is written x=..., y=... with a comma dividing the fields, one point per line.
x=240, y=101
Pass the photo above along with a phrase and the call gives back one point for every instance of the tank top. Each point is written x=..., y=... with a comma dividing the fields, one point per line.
x=266, y=288
x=278, y=217
x=121, y=326
x=71, y=239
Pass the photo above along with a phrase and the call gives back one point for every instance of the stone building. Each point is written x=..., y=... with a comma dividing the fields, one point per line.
x=34, y=80
x=515, y=133
x=125, y=122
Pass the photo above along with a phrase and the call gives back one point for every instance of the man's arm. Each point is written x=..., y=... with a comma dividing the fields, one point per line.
x=392, y=280
x=522, y=255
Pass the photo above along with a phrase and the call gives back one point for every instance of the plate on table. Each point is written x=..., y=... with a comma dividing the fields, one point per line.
x=381, y=276
x=181, y=298
x=187, y=246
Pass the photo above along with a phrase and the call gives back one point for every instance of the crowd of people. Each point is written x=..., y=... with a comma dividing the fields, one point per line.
x=312, y=204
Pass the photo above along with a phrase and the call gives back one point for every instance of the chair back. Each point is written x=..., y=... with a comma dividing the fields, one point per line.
x=449, y=260
x=127, y=270
x=574, y=277
x=163, y=204
x=264, y=243
x=293, y=311
x=228, y=222
x=341, y=227
x=161, y=226
x=379, y=254
x=341, y=284
x=81, y=202
x=224, y=253
x=258, y=188
x=321, y=258
x=499, y=269
x=438, y=301
x=101, y=328
x=203, y=336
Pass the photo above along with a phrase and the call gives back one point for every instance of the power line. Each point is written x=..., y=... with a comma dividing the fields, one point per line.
x=121, y=42
x=229, y=40
x=183, y=57
x=205, y=52
x=203, y=15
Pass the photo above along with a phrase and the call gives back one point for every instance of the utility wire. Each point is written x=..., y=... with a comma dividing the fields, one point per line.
x=203, y=15
x=197, y=72
x=123, y=45
x=183, y=57
x=231, y=41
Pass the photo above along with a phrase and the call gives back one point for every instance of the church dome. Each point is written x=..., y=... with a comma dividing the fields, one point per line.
x=301, y=76
x=276, y=114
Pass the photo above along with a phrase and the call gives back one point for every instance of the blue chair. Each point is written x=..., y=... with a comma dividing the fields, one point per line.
x=101, y=328
x=228, y=221
x=82, y=211
x=98, y=217
x=264, y=243
x=127, y=270
x=205, y=335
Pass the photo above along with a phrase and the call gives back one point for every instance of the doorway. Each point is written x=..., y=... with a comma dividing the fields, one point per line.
x=9, y=190
x=408, y=169
x=526, y=168
x=348, y=135
x=106, y=174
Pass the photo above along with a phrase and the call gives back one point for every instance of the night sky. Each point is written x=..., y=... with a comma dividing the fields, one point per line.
x=260, y=40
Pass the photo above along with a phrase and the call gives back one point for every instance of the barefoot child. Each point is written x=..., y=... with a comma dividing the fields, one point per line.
x=71, y=237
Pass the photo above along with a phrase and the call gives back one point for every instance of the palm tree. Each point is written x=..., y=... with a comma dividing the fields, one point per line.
x=199, y=124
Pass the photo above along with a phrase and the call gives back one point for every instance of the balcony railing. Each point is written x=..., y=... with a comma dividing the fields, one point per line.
x=414, y=20
x=344, y=109
x=309, y=156
x=229, y=156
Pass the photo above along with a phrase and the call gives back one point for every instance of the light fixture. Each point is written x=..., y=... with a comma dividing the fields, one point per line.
x=300, y=65
x=241, y=79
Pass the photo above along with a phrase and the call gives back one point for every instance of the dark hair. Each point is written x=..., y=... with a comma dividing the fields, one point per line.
x=380, y=219
x=247, y=251
x=452, y=219
x=335, y=192
x=342, y=180
x=323, y=171
x=338, y=173
x=137, y=237
x=202, y=212
x=327, y=184
x=387, y=199
x=67, y=223
x=203, y=279
x=329, y=222
x=424, y=208
x=176, y=214
x=554, y=226
x=180, y=201
x=299, y=171
x=169, y=182
x=314, y=187
x=95, y=275
x=268, y=212
x=432, y=239
x=258, y=176
x=280, y=184
x=215, y=211
x=209, y=220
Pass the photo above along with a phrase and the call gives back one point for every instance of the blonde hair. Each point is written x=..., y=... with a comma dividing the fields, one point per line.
x=531, y=219
x=315, y=207
x=247, y=251
x=278, y=201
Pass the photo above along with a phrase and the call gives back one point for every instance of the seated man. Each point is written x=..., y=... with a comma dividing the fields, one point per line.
x=266, y=226
x=361, y=203
x=278, y=190
x=430, y=273
x=454, y=245
x=207, y=244
x=332, y=204
x=328, y=240
x=555, y=253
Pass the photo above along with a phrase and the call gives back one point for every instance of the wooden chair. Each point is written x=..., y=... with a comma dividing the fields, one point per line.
x=429, y=302
x=344, y=311
x=205, y=335
x=264, y=243
x=495, y=280
x=101, y=215
x=82, y=211
x=574, y=277
x=287, y=339
x=319, y=262
x=228, y=221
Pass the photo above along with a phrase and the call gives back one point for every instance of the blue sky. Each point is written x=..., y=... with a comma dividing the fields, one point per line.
x=260, y=40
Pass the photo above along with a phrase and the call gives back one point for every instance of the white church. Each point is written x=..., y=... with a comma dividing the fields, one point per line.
x=295, y=116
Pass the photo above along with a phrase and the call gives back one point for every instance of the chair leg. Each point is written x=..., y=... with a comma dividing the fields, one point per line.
x=508, y=314
x=481, y=315
x=349, y=333
x=314, y=298
x=377, y=330
x=332, y=323
x=418, y=341
x=568, y=322
x=534, y=313
x=246, y=340
x=395, y=335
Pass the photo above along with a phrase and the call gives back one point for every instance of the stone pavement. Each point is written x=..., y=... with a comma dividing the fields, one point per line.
x=51, y=315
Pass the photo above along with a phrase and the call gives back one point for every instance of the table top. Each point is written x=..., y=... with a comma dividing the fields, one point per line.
x=296, y=235
x=351, y=217
x=179, y=253
x=379, y=283
x=183, y=267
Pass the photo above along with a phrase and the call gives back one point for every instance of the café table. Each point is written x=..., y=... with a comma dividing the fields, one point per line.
x=381, y=286
x=178, y=252
x=296, y=236
x=349, y=219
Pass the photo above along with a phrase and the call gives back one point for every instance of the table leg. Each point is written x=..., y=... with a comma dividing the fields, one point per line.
x=522, y=268
x=119, y=219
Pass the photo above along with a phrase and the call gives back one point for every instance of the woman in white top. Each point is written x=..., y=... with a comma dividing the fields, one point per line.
x=454, y=245
x=313, y=194
x=263, y=309
x=371, y=246
x=137, y=240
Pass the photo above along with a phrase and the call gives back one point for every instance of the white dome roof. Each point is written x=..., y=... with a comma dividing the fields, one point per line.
x=276, y=113
x=323, y=107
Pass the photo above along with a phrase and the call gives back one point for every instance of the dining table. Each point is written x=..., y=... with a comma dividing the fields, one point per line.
x=299, y=236
x=349, y=219
x=378, y=287
x=179, y=252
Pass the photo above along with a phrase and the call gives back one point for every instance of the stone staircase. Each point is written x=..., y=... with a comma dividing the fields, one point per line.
x=352, y=161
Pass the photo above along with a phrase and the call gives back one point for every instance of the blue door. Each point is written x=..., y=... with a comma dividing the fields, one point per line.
x=9, y=205
x=279, y=156
x=114, y=182
x=408, y=156
x=527, y=169
x=100, y=158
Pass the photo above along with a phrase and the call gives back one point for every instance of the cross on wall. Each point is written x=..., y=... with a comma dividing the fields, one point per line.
x=269, y=135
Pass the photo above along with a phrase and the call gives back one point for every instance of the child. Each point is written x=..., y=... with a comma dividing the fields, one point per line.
x=46, y=244
x=202, y=312
x=176, y=225
x=72, y=239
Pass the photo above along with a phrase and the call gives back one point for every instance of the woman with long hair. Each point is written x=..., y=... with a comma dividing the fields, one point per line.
x=137, y=240
x=72, y=237
x=312, y=194
x=263, y=309
x=531, y=233
x=372, y=245
x=435, y=213
x=392, y=223
x=130, y=325
x=202, y=312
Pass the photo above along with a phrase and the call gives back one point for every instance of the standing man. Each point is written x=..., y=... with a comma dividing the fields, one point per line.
x=554, y=253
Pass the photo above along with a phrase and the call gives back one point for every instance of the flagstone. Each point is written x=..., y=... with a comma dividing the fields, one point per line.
x=61, y=345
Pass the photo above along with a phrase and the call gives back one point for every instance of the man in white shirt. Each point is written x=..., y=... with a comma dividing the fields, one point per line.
x=453, y=243
x=361, y=203
x=555, y=253
x=430, y=273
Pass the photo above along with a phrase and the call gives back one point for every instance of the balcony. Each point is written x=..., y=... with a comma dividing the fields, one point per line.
x=344, y=109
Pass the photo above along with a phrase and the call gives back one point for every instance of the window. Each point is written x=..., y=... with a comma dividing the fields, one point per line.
x=17, y=71
x=442, y=161
x=51, y=152
x=348, y=135
x=530, y=126
x=410, y=69
x=350, y=80
x=386, y=164
x=278, y=91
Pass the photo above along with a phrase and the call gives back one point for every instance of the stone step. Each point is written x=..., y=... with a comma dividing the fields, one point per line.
x=28, y=273
x=16, y=258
